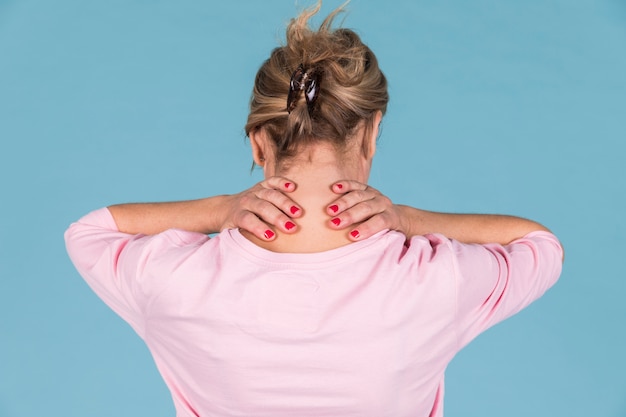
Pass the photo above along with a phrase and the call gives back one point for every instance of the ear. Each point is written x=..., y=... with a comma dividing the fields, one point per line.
x=258, y=141
x=373, y=134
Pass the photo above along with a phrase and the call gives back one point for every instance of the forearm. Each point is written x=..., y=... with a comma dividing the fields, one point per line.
x=467, y=228
x=204, y=215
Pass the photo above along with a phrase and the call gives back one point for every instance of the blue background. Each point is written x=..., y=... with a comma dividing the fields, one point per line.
x=506, y=106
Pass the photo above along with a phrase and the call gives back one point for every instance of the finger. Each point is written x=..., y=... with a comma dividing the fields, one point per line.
x=355, y=192
x=250, y=222
x=345, y=186
x=354, y=215
x=369, y=228
x=271, y=214
x=281, y=201
x=353, y=199
x=279, y=183
x=379, y=206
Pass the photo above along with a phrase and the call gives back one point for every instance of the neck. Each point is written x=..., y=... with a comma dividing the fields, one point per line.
x=314, y=179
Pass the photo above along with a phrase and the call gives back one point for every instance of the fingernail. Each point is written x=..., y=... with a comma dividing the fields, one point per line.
x=334, y=208
x=294, y=209
x=336, y=221
x=355, y=234
x=289, y=225
x=268, y=234
x=287, y=184
x=339, y=186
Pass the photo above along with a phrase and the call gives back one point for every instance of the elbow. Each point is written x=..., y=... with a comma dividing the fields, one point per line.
x=75, y=247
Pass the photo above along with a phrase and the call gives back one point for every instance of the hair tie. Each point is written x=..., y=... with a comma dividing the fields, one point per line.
x=307, y=81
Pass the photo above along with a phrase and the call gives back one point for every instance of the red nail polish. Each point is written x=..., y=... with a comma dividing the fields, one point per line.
x=289, y=225
x=268, y=234
x=355, y=234
x=339, y=186
x=334, y=208
x=287, y=184
x=294, y=209
x=336, y=221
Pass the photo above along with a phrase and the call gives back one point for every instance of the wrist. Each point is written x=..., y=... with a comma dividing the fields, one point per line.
x=217, y=211
x=405, y=220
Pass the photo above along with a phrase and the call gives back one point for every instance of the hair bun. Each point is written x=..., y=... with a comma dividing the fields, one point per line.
x=336, y=72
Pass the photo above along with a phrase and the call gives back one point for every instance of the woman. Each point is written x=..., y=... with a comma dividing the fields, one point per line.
x=306, y=304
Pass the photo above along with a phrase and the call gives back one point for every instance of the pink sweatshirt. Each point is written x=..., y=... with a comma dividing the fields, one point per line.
x=363, y=330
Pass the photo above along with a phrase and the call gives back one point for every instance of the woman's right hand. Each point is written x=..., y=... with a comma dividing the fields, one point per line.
x=365, y=207
x=263, y=208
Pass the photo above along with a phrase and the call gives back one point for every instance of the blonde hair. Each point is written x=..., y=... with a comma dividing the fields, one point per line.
x=352, y=88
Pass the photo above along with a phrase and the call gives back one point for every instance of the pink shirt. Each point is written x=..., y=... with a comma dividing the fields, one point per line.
x=363, y=330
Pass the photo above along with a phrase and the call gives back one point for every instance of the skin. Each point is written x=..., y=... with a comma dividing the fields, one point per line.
x=316, y=201
x=291, y=210
x=320, y=171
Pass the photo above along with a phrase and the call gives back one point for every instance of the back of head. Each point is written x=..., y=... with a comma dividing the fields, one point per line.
x=334, y=82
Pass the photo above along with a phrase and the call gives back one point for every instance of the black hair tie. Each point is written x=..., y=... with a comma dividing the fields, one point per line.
x=307, y=81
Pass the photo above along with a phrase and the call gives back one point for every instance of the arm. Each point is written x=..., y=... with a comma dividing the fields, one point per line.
x=254, y=209
x=466, y=228
x=204, y=215
x=367, y=211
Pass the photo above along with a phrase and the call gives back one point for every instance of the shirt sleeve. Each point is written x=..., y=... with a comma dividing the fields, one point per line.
x=120, y=267
x=494, y=281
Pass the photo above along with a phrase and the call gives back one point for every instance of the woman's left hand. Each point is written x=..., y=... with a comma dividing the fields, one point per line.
x=365, y=207
x=263, y=208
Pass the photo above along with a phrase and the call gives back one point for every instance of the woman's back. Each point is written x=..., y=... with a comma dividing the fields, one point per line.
x=364, y=329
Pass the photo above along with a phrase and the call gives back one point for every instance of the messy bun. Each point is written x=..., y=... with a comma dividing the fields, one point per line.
x=352, y=88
